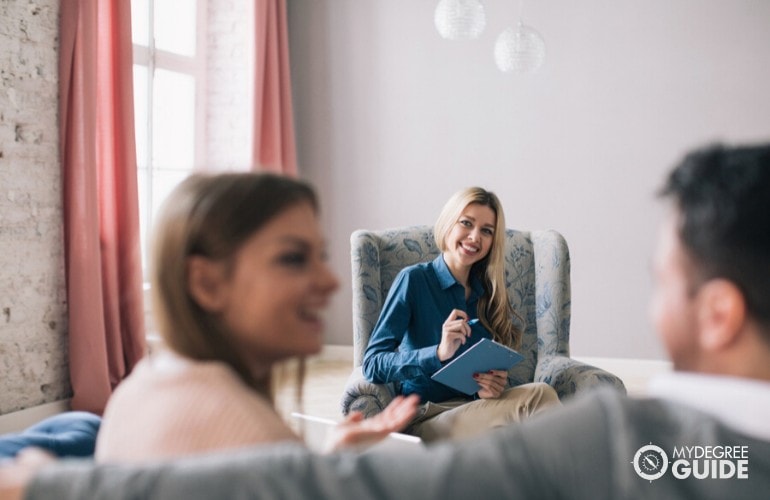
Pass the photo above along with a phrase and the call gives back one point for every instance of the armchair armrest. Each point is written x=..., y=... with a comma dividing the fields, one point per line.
x=365, y=397
x=568, y=376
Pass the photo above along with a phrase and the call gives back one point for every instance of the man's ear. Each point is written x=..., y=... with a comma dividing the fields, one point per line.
x=721, y=314
x=205, y=282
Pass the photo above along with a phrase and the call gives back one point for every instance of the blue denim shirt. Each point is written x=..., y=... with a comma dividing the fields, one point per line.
x=403, y=345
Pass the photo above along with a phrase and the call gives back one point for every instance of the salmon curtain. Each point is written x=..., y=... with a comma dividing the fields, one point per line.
x=101, y=210
x=274, y=146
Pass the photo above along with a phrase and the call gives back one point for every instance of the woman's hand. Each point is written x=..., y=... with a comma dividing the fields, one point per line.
x=454, y=333
x=357, y=431
x=491, y=384
x=16, y=474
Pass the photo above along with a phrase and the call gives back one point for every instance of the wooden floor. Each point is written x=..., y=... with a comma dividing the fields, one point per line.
x=321, y=391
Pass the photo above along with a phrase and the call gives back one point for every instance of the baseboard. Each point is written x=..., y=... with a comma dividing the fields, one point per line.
x=635, y=373
x=335, y=353
x=19, y=420
x=154, y=342
x=640, y=367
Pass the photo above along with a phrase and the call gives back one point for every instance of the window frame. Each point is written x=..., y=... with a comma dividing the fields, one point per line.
x=153, y=59
x=196, y=66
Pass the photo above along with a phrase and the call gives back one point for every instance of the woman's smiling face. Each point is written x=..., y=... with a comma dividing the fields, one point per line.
x=470, y=239
x=273, y=292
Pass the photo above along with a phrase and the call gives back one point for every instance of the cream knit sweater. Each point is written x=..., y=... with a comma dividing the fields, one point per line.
x=170, y=407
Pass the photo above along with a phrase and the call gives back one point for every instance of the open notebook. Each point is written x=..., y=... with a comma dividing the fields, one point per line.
x=315, y=431
x=482, y=356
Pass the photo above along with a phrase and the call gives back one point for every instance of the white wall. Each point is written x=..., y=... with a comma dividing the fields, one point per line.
x=392, y=119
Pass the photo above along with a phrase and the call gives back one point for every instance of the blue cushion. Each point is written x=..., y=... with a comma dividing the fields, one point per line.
x=69, y=434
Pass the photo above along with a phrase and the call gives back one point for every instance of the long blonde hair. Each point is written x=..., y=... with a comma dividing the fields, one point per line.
x=494, y=309
x=212, y=216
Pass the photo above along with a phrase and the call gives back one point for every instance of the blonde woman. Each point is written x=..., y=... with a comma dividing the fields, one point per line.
x=424, y=324
x=240, y=283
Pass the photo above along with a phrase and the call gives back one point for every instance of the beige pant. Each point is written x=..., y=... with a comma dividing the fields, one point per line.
x=460, y=418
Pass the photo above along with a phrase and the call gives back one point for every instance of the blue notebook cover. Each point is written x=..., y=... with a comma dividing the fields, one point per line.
x=483, y=356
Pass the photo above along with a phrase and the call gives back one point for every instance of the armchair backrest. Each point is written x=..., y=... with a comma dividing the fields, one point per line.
x=537, y=269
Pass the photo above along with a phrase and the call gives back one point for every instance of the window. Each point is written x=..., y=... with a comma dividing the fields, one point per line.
x=169, y=93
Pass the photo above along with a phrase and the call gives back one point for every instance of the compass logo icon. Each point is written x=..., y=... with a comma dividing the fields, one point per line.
x=650, y=462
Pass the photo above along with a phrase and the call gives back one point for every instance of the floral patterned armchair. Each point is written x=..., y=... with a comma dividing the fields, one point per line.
x=538, y=282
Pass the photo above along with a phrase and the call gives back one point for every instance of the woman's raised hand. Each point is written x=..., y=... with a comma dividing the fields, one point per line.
x=454, y=333
x=357, y=431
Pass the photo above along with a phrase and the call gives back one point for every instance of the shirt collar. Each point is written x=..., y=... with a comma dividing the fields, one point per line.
x=740, y=403
x=444, y=275
x=445, y=278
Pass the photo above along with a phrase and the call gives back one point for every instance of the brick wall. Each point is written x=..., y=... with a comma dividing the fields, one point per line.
x=229, y=49
x=33, y=347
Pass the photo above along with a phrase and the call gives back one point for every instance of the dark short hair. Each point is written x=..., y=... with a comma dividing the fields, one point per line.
x=723, y=197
